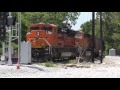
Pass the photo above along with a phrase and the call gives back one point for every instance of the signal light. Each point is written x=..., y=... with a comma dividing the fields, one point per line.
x=11, y=20
x=3, y=16
x=5, y=19
x=2, y=32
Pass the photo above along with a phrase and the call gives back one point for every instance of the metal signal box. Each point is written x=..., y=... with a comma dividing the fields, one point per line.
x=25, y=56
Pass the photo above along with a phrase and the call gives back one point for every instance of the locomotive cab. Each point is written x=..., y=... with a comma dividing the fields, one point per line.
x=41, y=36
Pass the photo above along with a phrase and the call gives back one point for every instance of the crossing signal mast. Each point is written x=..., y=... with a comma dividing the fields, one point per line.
x=8, y=24
x=3, y=21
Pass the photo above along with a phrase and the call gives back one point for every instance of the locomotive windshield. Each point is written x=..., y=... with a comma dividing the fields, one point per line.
x=71, y=33
x=47, y=28
x=44, y=28
x=34, y=28
x=62, y=31
x=77, y=35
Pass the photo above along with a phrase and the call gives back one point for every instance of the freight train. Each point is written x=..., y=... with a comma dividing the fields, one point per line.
x=49, y=41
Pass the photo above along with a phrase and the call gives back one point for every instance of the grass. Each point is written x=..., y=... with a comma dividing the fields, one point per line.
x=48, y=64
x=42, y=64
x=53, y=64
x=72, y=62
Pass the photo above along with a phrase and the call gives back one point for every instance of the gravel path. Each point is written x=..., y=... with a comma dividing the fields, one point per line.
x=109, y=69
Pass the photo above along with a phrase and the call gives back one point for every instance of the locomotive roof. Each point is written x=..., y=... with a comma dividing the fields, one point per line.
x=43, y=24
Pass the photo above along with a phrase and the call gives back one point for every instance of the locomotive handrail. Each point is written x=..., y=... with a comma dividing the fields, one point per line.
x=81, y=53
x=47, y=43
x=83, y=50
x=77, y=44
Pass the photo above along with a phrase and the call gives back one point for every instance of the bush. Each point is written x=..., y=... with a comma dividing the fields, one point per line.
x=49, y=64
x=72, y=62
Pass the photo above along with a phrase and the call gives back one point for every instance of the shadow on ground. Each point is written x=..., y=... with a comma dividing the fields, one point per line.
x=34, y=67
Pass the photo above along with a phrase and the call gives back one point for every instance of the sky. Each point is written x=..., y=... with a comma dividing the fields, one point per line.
x=84, y=16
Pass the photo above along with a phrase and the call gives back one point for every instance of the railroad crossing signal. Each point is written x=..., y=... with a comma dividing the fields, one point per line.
x=3, y=18
x=2, y=31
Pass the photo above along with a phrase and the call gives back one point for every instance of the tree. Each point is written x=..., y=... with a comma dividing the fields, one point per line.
x=111, y=29
x=87, y=27
x=58, y=18
x=66, y=19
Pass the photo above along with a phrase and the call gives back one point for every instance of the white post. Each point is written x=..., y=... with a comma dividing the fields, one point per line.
x=9, y=48
x=19, y=36
x=3, y=48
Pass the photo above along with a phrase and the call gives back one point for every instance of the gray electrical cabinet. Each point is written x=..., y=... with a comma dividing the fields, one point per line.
x=112, y=52
x=25, y=53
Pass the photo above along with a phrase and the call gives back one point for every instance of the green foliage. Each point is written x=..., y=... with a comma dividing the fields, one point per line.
x=49, y=64
x=72, y=62
x=57, y=18
x=87, y=27
x=66, y=19
x=111, y=29
x=15, y=46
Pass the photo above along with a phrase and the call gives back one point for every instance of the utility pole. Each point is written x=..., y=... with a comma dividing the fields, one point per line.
x=93, y=35
x=101, y=38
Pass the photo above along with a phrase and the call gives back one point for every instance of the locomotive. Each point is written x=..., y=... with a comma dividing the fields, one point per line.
x=49, y=41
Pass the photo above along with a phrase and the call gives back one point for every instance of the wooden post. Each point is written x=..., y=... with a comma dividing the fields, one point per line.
x=93, y=35
x=101, y=38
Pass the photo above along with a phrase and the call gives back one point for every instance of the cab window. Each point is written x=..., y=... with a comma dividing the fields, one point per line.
x=62, y=31
x=77, y=35
x=47, y=28
x=34, y=28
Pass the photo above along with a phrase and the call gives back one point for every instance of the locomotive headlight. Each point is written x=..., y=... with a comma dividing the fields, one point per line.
x=46, y=49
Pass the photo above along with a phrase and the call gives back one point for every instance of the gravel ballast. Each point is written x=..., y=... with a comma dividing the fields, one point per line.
x=110, y=68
